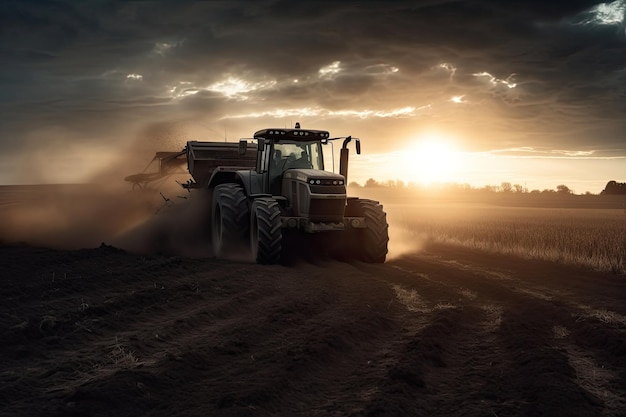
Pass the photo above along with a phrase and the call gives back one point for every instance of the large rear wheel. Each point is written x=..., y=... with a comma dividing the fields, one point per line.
x=230, y=220
x=265, y=231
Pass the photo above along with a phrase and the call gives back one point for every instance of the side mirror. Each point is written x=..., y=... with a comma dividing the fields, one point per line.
x=358, y=146
x=243, y=146
x=261, y=143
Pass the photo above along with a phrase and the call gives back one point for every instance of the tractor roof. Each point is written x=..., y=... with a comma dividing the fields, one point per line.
x=304, y=135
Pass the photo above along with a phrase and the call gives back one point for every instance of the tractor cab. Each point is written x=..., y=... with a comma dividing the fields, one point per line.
x=282, y=150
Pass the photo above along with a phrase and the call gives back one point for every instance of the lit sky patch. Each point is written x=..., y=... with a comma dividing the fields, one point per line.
x=162, y=48
x=236, y=87
x=232, y=87
x=381, y=69
x=277, y=113
x=458, y=99
x=329, y=71
x=495, y=82
x=317, y=111
x=533, y=153
x=446, y=67
x=364, y=114
x=574, y=153
x=609, y=13
x=137, y=77
x=183, y=89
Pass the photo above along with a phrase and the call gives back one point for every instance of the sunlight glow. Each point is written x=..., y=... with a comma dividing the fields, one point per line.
x=433, y=159
x=458, y=99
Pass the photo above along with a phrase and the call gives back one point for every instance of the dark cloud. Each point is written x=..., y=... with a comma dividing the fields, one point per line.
x=523, y=73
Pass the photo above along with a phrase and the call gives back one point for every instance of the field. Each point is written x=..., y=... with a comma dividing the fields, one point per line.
x=480, y=310
x=594, y=238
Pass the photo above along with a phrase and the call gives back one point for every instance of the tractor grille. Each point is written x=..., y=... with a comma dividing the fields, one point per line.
x=326, y=210
x=328, y=189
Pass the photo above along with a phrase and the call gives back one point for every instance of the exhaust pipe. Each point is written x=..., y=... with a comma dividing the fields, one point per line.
x=344, y=156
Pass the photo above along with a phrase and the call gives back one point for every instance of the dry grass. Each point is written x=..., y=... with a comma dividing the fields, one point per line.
x=121, y=357
x=593, y=238
x=605, y=316
x=560, y=332
x=493, y=316
x=597, y=380
x=466, y=293
x=444, y=306
x=411, y=300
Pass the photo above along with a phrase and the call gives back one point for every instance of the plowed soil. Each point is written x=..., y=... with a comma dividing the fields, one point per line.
x=440, y=332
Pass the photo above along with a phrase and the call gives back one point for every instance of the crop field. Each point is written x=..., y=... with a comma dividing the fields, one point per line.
x=593, y=238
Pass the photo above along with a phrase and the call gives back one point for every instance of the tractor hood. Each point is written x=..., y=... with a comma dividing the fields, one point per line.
x=315, y=177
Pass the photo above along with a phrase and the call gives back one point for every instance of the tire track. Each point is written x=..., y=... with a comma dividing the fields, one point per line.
x=529, y=311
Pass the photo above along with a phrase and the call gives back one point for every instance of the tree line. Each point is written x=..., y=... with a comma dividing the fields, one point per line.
x=612, y=187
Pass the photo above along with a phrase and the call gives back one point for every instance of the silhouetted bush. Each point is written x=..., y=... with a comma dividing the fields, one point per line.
x=614, y=187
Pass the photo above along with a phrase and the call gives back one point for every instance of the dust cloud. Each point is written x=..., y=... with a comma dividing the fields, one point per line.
x=402, y=241
x=180, y=226
x=68, y=216
x=72, y=193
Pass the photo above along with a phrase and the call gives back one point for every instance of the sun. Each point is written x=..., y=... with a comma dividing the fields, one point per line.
x=434, y=158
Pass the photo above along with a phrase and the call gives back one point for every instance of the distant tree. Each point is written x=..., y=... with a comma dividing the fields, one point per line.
x=354, y=184
x=372, y=183
x=395, y=184
x=563, y=189
x=506, y=187
x=614, y=187
x=519, y=188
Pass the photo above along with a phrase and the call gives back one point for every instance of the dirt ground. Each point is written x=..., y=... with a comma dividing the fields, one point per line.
x=443, y=331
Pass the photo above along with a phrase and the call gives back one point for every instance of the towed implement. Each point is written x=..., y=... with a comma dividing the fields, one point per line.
x=272, y=187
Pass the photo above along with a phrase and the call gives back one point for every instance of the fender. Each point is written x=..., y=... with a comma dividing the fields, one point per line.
x=251, y=181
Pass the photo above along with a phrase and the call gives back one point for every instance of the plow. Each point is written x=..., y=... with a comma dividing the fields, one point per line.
x=167, y=164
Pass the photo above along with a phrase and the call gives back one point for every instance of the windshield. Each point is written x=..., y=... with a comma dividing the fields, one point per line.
x=306, y=155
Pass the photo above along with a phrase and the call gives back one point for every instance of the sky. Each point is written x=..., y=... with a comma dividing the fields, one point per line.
x=476, y=91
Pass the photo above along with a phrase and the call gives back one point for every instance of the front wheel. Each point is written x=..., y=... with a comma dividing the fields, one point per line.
x=370, y=243
x=230, y=221
x=265, y=231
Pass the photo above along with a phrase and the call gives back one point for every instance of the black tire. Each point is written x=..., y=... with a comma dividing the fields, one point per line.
x=265, y=231
x=370, y=243
x=230, y=220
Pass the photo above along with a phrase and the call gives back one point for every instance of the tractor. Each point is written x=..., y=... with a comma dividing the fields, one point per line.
x=274, y=186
